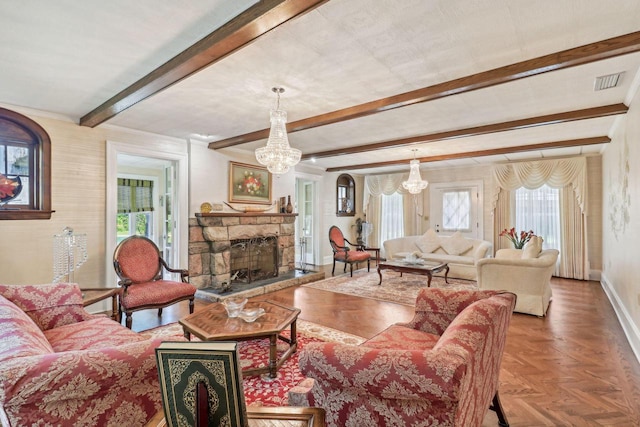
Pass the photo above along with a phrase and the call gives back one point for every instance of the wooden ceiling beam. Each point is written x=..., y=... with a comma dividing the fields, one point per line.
x=232, y=36
x=581, y=55
x=569, y=116
x=482, y=153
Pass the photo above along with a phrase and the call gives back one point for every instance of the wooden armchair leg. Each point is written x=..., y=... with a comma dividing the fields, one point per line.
x=191, y=305
x=129, y=320
x=334, y=267
x=496, y=406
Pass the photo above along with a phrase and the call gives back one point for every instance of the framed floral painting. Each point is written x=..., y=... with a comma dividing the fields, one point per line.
x=249, y=184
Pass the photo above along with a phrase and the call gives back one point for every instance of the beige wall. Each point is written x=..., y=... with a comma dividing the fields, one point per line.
x=621, y=221
x=78, y=199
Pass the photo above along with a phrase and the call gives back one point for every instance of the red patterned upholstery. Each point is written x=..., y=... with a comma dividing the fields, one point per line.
x=446, y=377
x=342, y=252
x=91, y=372
x=139, y=264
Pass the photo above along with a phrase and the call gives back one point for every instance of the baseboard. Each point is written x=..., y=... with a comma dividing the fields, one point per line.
x=630, y=329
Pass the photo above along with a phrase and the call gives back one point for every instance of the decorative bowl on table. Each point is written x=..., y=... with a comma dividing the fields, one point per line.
x=413, y=260
x=234, y=306
x=251, y=314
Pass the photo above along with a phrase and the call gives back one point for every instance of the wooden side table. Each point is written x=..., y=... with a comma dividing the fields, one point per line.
x=94, y=295
x=377, y=252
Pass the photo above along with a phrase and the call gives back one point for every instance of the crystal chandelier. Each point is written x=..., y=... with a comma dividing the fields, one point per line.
x=415, y=184
x=278, y=156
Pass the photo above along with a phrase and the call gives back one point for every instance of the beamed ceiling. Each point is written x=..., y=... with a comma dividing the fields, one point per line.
x=366, y=81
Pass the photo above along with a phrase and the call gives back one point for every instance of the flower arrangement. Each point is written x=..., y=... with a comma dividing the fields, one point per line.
x=518, y=240
x=251, y=184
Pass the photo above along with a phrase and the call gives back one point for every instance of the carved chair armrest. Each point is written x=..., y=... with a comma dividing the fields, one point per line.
x=337, y=248
x=184, y=274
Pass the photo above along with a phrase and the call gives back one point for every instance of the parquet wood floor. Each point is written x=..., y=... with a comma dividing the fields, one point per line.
x=571, y=368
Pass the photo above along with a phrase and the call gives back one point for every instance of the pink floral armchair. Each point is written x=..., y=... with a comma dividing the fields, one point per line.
x=62, y=366
x=440, y=369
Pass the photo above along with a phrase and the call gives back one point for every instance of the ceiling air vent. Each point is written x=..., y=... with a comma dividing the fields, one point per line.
x=607, y=82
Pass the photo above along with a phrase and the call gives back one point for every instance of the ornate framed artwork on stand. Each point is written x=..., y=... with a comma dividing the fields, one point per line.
x=249, y=184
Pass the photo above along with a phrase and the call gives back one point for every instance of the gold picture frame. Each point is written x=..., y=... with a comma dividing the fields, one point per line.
x=249, y=184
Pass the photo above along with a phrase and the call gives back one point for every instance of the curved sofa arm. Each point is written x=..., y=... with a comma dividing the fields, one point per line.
x=436, y=308
x=385, y=373
x=482, y=250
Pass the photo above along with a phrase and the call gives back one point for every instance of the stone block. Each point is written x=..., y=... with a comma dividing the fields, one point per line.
x=244, y=220
x=199, y=248
x=249, y=231
x=209, y=221
x=287, y=229
x=195, y=265
x=215, y=234
x=195, y=234
x=201, y=282
x=230, y=220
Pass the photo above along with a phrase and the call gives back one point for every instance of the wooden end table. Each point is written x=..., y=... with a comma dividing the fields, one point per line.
x=213, y=324
x=428, y=268
x=94, y=295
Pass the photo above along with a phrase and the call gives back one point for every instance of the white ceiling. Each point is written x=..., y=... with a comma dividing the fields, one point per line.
x=68, y=57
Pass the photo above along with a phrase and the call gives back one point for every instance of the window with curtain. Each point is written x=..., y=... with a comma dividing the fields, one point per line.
x=135, y=208
x=392, y=217
x=539, y=210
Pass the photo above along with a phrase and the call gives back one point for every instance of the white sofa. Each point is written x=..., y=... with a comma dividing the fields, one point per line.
x=460, y=253
x=525, y=272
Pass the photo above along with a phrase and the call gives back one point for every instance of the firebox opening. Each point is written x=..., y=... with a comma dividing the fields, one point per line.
x=254, y=259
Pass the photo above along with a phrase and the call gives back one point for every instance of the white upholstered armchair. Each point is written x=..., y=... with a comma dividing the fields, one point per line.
x=525, y=272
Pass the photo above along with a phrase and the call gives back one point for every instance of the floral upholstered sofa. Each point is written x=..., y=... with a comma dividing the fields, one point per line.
x=440, y=369
x=459, y=252
x=62, y=366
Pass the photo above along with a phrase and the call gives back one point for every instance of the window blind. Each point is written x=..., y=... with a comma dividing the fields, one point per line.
x=135, y=195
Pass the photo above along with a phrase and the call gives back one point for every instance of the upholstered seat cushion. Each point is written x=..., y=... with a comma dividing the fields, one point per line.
x=82, y=335
x=353, y=256
x=159, y=292
x=402, y=338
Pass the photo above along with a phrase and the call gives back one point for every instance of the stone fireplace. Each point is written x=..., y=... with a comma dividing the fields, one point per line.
x=214, y=236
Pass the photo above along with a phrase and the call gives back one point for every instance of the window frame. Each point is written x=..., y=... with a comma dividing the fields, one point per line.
x=40, y=200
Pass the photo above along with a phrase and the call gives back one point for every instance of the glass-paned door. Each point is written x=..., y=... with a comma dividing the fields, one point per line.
x=456, y=207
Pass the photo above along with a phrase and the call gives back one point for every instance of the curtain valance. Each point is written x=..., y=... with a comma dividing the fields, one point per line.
x=135, y=195
x=554, y=173
x=383, y=184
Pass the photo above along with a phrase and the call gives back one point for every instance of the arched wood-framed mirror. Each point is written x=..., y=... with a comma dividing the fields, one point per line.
x=345, y=195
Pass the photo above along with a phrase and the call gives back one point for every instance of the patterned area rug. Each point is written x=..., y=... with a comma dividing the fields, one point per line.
x=259, y=390
x=401, y=290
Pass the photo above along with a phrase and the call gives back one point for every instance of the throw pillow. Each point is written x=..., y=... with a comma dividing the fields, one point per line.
x=428, y=242
x=456, y=244
x=532, y=248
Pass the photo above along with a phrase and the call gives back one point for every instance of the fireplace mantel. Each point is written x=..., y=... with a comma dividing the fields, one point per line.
x=243, y=214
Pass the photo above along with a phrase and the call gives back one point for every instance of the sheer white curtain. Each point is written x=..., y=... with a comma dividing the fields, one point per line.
x=539, y=210
x=568, y=175
x=392, y=217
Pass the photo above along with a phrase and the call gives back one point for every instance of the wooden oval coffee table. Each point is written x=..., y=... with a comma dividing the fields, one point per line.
x=212, y=324
x=427, y=268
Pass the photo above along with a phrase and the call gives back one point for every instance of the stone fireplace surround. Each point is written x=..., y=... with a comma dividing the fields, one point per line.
x=210, y=237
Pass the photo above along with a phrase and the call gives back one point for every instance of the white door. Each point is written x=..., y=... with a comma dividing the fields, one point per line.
x=457, y=207
x=307, y=222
